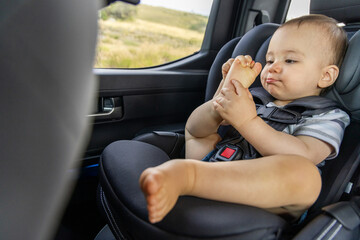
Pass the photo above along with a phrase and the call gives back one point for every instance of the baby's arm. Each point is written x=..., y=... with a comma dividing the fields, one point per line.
x=201, y=131
x=201, y=128
x=238, y=109
x=269, y=142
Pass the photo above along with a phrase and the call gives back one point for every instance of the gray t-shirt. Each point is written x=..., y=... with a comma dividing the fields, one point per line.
x=328, y=127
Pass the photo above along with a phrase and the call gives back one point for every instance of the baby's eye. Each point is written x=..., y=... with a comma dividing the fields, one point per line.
x=269, y=61
x=290, y=61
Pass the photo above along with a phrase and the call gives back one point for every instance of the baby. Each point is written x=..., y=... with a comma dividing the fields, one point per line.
x=302, y=60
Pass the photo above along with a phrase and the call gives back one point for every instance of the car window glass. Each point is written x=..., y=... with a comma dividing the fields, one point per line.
x=298, y=8
x=152, y=33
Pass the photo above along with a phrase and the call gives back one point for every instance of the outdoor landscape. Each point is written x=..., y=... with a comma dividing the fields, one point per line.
x=143, y=35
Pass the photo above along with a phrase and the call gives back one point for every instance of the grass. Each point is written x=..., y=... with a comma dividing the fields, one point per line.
x=172, y=18
x=153, y=37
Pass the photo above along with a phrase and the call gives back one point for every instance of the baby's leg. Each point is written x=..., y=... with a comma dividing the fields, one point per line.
x=243, y=69
x=163, y=185
x=288, y=181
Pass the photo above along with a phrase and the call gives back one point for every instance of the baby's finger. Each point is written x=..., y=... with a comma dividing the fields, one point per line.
x=226, y=66
x=225, y=92
x=218, y=100
x=217, y=106
x=230, y=61
x=239, y=88
x=222, y=102
x=248, y=60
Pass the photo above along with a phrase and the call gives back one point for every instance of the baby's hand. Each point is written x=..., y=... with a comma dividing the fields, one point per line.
x=226, y=67
x=243, y=69
x=224, y=70
x=236, y=106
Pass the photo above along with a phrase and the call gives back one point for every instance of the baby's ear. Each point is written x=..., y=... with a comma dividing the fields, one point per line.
x=329, y=76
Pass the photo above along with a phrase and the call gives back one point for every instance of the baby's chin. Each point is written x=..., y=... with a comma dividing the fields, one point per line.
x=276, y=94
x=268, y=89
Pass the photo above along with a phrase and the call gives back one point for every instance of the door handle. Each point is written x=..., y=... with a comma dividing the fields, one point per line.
x=108, y=108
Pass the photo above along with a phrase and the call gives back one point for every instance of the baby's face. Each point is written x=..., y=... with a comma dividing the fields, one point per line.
x=294, y=62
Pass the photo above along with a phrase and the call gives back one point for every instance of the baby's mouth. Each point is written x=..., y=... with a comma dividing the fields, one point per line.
x=271, y=80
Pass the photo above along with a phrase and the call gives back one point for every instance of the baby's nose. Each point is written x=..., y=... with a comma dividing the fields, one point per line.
x=275, y=67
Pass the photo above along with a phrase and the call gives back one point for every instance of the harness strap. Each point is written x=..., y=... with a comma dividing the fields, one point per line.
x=235, y=147
x=276, y=114
x=306, y=106
x=278, y=118
x=261, y=96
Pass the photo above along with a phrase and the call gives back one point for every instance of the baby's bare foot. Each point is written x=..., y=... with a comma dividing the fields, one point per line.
x=161, y=191
x=243, y=69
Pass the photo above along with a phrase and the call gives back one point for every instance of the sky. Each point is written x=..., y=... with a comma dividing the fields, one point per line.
x=194, y=6
x=297, y=7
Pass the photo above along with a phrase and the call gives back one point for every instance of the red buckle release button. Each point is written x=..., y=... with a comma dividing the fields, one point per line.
x=227, y=153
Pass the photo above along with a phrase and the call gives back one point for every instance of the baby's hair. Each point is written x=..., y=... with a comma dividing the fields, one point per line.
x=335, y=34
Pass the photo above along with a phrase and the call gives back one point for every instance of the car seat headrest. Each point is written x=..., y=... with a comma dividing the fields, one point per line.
x=346, y=89
x=346, y=11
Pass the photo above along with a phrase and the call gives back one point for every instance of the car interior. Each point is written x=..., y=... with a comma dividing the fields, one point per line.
x=122, y=199
x=66, y=126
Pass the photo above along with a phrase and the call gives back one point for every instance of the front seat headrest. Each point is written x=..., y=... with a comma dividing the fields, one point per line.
x=345, y=11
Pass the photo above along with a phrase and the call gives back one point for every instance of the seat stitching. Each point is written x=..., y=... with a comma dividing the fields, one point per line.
x=335, y=232
x=322, y=235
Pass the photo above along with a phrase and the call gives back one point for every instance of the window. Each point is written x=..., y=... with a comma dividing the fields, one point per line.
x=149, y=34
x=298, y=8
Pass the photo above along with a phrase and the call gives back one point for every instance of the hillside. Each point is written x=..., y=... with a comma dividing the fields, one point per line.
x=145, y=36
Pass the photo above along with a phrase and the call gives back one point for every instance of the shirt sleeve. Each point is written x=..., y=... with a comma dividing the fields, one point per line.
x=328, y=127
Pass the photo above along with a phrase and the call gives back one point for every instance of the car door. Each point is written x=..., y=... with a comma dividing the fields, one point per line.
x=133, y=101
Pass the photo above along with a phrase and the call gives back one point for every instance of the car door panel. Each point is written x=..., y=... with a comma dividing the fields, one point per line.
x=149, y=100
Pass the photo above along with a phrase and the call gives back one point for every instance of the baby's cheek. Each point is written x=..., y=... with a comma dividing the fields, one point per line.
x=265, y=70
x=263, y=76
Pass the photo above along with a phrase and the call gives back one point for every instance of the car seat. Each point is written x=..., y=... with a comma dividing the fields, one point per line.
x=123, y=161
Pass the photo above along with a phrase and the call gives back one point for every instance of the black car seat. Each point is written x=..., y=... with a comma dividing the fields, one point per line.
x=341, y=220
x=123, y=161
x=47, y=49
